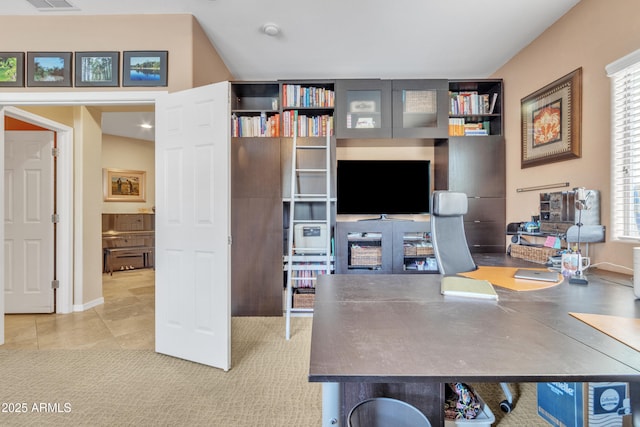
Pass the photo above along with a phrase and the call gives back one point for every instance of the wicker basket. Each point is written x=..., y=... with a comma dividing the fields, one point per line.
x=303, y=300
x=366, y=255
x=410, y=250
x=424, y=250
x=532, y=253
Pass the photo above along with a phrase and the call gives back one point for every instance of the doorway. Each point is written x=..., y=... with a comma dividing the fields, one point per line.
x=69, y=246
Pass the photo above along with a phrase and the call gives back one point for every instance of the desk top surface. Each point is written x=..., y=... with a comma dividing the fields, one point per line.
x=398, y=328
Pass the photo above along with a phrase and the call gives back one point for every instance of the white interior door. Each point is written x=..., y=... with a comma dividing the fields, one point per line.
x=193, y=304
x=29, y=231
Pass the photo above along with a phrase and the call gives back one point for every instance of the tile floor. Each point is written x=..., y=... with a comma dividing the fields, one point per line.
x=124, y=321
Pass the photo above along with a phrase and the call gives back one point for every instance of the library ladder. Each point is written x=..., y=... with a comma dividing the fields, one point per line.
x=309, y=239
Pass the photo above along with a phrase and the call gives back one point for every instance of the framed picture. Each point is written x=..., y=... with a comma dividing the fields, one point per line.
x=552, y=121
x=97, y=69
x=144, y=68
x=121, y=185
x=49, y=68
x=11, y=68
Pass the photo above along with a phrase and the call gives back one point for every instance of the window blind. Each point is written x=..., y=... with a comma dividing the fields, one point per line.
x=625, y=155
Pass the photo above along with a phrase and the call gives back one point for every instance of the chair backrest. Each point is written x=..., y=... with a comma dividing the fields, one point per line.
x=447, y=232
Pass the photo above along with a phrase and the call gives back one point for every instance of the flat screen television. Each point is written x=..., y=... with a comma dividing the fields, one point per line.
x=382, y=187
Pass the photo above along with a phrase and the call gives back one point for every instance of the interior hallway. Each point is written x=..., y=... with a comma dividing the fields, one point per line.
x=124, y=321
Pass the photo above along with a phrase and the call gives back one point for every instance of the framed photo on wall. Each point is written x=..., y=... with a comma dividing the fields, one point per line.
x=551, y=122
x=122, y=185
x=49, y=69
x=144, y=68
x=12, y=69
x=97, y=69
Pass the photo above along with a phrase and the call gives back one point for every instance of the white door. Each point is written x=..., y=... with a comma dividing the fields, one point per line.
x=193, y=304
x=28, y=241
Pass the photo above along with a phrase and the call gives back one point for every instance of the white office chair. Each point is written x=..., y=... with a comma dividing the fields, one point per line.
x=451, y=249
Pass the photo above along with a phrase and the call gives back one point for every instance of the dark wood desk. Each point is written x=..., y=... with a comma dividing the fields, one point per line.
x=395, y=335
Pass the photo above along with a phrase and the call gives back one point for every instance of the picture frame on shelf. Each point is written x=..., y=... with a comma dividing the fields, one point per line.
x=144, y=68
x=97, y=69
x=551, y=122
x=46, y=69
x=123, y=185
x=11, y=69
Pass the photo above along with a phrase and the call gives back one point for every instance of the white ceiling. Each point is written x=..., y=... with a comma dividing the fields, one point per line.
x=348, y=38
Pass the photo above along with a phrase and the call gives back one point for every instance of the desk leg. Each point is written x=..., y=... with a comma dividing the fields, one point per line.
x=634, y=393
x=331, y=404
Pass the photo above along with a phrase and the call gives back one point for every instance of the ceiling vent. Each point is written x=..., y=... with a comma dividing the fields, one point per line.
x=52, y=5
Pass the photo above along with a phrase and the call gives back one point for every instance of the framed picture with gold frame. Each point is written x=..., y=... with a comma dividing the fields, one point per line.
x=551, y=122
x=122, y=185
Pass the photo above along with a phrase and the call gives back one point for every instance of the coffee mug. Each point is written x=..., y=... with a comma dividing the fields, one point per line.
x=574, y=263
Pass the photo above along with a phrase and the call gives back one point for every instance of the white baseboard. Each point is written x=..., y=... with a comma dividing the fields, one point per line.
x=88, y=305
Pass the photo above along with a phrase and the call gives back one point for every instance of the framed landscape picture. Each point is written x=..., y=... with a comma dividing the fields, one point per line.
x=12, y=69
x=97, y=69
x=122, y=185
x=144, y=68
x=49, y=69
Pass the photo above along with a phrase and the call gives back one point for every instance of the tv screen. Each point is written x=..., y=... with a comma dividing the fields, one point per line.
x=382, y=187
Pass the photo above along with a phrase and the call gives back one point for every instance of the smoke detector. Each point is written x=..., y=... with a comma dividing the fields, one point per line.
x=271, y=29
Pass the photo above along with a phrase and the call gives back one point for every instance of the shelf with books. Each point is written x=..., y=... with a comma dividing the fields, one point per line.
x=475, y=107
x=308, y=123
x=308, y=95
x=310, y=104
x=255, y=109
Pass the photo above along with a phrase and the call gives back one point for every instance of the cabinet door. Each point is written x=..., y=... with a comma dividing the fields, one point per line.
x=476, y=166
x=363, y=109
x=256, y=227
x=255, y=167
x=420, y=109
x=485, y=236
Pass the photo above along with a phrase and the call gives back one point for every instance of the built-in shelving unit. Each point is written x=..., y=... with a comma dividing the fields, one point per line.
x=476, y=165
x=263, y=117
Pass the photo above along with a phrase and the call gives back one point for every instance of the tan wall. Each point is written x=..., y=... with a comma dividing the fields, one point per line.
x=209, y=67
x=192, y=61
x=591, y=35
x=180, y=35
x=132, y=154
x=88, y=201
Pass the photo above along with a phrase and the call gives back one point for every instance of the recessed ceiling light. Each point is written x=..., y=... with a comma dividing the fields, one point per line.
x=271, y=29
x=146, y=126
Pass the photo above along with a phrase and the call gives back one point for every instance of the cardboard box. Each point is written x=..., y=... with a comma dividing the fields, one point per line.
x=584, y=404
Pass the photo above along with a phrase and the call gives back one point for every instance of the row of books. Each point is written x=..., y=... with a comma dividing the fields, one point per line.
x=270, y=126
x=304, y=278
x=307, y=125
x=255, y=126
x=303, y=96
x=459, y=127
x=472, y=102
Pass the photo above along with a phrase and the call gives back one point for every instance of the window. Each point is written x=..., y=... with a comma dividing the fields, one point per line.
x=625, y=154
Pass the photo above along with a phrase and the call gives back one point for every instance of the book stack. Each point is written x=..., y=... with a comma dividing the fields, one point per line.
x=459, y=127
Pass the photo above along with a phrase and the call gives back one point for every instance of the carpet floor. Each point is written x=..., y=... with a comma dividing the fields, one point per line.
x=266, y=386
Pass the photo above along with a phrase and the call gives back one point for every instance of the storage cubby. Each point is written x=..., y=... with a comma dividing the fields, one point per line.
x=475, y=107
x=384, y=246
